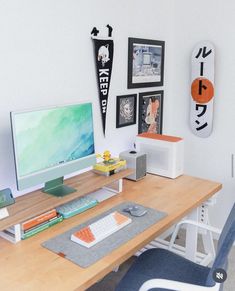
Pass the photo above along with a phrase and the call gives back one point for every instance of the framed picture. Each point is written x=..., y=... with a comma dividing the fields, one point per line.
x=145, y=63
x=126, y=110
x=150, y=112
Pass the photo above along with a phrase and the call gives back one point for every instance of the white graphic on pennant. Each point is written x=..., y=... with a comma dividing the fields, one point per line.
x=103, y=54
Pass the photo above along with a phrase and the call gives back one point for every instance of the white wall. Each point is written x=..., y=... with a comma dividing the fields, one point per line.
x=46, y=58
x=210, y=157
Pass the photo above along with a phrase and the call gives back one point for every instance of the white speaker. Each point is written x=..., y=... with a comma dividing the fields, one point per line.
x=137, y=162
x=165, y=154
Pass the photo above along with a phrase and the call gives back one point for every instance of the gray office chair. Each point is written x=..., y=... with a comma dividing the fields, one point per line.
x=161, y=270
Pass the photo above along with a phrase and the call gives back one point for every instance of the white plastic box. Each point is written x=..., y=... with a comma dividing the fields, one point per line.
x=165, y=154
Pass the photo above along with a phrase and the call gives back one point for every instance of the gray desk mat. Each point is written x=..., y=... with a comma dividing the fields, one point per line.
x=84, y=257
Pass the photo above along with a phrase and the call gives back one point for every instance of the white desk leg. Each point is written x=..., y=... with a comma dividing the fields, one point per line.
x=12, y=234
x=120, y=185
x=191, y=237
x=17, y=233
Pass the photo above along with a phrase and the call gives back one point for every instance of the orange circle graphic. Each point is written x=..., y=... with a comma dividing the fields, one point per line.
x=202, y=90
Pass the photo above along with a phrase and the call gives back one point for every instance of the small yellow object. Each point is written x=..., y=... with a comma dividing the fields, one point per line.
x=106, y=156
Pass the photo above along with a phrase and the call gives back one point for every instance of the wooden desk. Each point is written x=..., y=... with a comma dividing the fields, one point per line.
x=28, y=266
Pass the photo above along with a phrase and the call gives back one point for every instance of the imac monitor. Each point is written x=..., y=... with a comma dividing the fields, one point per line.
x=50, y=143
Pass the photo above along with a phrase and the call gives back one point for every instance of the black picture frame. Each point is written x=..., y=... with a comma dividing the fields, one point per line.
x=151, y=112
x=145, y=63
x=126, y=110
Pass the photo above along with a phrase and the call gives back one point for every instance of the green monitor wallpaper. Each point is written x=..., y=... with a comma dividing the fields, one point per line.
x=47, y=138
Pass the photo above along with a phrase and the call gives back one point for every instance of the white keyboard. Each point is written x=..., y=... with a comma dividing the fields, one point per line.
x=99, y=230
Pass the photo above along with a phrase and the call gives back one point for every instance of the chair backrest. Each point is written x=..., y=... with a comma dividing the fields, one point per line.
x=225, y=243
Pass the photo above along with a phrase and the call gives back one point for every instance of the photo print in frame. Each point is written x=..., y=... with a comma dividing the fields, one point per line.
x=150, y=112
x=126, y=110
x=145, y=63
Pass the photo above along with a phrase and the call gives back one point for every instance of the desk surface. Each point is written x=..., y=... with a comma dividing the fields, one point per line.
x=28, y=266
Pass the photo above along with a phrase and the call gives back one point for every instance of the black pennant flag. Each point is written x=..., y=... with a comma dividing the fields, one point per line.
x=104, y=62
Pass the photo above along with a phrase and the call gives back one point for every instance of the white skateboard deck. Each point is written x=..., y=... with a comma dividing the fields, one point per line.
x=202, y=89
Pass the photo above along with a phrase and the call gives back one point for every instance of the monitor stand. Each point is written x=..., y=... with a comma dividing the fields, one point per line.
x=57, y=188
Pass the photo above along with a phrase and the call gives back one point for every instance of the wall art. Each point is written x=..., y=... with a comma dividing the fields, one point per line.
x=103, y=47
x=126, y=110
x=202, y=89
x=145, y=63
x=150, y=112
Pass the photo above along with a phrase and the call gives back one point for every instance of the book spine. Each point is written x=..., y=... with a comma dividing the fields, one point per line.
x=38, y=219
x=41, y=228
x=41, y=224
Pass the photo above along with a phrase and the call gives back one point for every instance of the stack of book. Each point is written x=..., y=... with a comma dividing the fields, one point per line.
x=40, y=223
x=110, y=167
